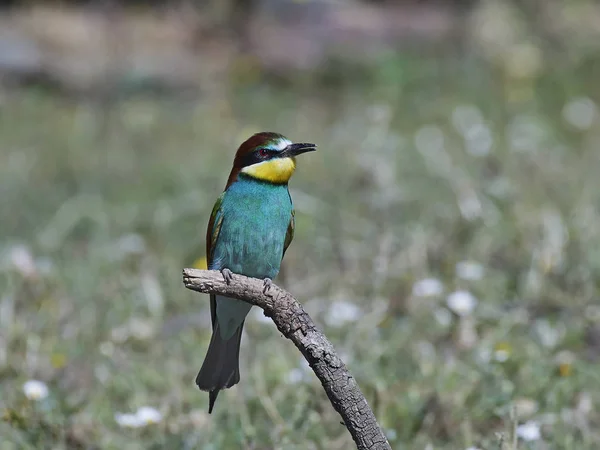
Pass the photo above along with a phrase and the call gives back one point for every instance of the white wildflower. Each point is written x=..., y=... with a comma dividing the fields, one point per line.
x=145, y=415
x=148, y=415
x=22, y=260
x=428, y=287
x=461, y=303
x=35, y=390
x=342, y=312
x=529, y=431
x=549, y=335
x=127, y=420
x=580, y=112
x=501, y=354
x=469, y=270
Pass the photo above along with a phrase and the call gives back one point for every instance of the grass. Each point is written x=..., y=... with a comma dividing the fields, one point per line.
x=101, y=209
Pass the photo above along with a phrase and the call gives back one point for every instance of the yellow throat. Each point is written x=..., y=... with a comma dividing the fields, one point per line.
x=276, y=170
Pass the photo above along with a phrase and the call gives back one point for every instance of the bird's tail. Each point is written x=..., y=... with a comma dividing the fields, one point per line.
x=220, y=369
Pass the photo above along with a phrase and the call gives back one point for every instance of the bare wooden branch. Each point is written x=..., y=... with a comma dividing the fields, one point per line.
x=295, y=324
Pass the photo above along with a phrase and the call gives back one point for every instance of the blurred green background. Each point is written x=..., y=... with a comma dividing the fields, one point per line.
x=447, y=237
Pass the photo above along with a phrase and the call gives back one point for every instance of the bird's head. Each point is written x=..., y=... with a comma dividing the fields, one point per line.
x=268, y=157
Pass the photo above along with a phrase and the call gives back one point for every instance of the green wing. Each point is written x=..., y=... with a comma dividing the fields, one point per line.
x=289, y=235
x=212, y=233
x=213, y=229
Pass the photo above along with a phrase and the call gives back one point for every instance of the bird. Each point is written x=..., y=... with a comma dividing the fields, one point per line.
x=249, y=231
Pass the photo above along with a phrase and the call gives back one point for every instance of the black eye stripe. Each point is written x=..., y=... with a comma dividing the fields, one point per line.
x=255, y=156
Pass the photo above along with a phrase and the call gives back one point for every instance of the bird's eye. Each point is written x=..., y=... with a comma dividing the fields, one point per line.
x=263, y=152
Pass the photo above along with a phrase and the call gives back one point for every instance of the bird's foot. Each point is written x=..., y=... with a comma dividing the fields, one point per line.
x=267, y=283
x=227, y=275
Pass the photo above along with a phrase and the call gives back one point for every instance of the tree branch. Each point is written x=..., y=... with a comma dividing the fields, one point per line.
x=295, y=324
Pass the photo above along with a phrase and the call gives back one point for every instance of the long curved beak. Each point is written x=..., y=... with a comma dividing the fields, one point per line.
x=298, y=149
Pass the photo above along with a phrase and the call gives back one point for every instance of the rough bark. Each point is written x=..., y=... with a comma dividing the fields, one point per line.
x=295, y=324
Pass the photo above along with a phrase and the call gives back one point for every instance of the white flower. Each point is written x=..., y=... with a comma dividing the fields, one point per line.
x=549, y=335
x=22, y=260
x=127, y=420
x=529, y=431
x=342, y=312
x=145, y=415
x=472, y=448
x=148, y=415
x=35, y=390
x=580, y=112
x=428, y=287
x=501, y=355
x=469, y=270
x=461, y=303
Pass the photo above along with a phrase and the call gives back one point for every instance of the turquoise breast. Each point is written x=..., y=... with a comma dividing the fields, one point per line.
x=256, y=216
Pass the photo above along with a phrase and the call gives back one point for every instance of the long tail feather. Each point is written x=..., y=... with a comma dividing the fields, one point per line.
x=220, y=369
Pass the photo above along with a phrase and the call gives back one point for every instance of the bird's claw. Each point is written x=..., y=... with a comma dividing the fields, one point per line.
x=267, y=283
x=227, y=275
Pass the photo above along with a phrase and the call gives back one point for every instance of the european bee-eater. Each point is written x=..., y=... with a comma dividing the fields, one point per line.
x=250, y=228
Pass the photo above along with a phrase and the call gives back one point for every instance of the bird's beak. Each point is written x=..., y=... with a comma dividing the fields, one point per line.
x=298, y=149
